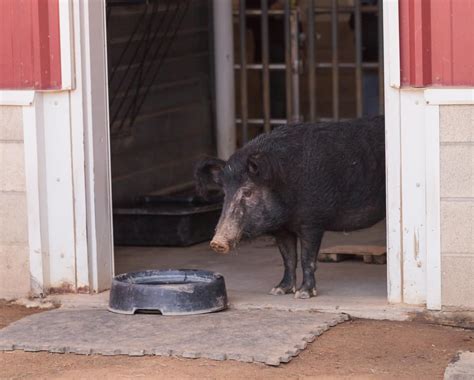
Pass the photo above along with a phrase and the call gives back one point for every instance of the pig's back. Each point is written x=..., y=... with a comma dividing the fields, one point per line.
x=334, y=173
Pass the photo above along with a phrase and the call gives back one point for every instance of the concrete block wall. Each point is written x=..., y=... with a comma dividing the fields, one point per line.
x=14, y=266
x=457, y=205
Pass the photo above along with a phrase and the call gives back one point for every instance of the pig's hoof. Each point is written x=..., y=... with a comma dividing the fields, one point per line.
x=305, y=293
x=279, y=291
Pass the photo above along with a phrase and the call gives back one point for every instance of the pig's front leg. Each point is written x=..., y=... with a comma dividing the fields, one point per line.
x=287, y=243
x=310, y=243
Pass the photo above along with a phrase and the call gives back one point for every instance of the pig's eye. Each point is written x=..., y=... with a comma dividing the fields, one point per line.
x=247, y=193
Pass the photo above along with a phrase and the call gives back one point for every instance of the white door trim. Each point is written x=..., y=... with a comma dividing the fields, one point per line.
x=31, y=117
x=393, y=151
x=49, y=188
x=96, y=21
x=445, y=96
x=94, y=105
x=17, y=97
x=391, y=32
x=66, y=44
x=433, y=207
x=413, y=195
x=92, y=188
x=67, y=167
x=78, y=158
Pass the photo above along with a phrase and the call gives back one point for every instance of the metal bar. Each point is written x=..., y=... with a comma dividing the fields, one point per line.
x=381, y=73
x=154, y=75
x=157, y=60
x=139, y=36
x=224, y=78
x=342, y=9
x=163, y=111
x=311, y=62
x=156, y=87
x=243, y=73
x=358, y=58
x=284, y=121
x=262, y=121
x=288, y=60
x=265, y=63
x=125, y=3
x=150, y=38
x=129, y=41
x=258, y=12
x=137, y=76
x=329, y=65
x=335, y=60
x=295, y=68
x=320, y=65
x=277, y=12
x=259, y=66
x=330, y=119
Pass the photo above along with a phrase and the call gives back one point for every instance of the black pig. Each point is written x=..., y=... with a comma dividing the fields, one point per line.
x=297, y=182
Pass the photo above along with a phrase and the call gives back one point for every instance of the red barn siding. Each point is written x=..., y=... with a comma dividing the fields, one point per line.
x=29, y=44
x=437, y=42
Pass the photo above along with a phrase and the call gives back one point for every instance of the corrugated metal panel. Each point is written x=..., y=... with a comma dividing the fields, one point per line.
x=29, y=44
x=436, y=42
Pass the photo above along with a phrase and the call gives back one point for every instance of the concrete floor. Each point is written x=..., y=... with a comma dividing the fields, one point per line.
x=255, y=267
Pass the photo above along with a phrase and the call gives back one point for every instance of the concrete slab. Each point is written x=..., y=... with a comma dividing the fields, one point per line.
x=255, y=267
x=461, y=367
x=265, y=336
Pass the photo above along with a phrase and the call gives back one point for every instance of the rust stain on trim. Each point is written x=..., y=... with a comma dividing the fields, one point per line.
x=416, y=250
x=66, y=288
x=83, y=289
x=61, y=289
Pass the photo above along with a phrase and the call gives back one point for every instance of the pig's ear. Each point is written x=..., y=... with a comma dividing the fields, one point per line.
x=260, y=168
x=207, y=174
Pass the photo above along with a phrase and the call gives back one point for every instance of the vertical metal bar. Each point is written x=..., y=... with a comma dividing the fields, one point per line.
x=288, y=60
x=243, y=72
x=311, y=61
x=265, y=67
x=381, y=66
x=295, y=67
x=358, y=57
x=335, y=61
x=224, y=78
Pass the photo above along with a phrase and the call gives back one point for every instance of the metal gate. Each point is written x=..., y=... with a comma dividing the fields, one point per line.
x=308, y=59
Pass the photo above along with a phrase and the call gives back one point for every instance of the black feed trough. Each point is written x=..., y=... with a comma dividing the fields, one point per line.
x=178, y=220
x=169, y=292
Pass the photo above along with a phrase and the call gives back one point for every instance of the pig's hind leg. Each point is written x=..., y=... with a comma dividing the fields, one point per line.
x=287, y=244
x=310, y=244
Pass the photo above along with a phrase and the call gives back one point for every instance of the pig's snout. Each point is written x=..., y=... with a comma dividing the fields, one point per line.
x=220, y=246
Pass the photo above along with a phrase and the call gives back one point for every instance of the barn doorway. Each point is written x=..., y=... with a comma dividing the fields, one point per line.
x=308, y=60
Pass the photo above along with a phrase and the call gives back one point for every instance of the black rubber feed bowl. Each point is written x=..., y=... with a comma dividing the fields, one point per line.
x=170, y=292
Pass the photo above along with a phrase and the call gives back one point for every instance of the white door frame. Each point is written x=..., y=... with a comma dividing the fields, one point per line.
x=86, y=106
x=391, y=42
x=412, y=164
x=101, y=156
x=92, y=101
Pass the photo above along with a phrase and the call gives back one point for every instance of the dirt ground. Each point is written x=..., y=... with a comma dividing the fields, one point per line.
x=361, y=349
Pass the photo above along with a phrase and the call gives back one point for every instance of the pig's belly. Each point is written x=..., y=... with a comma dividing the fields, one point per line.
x=356, y=219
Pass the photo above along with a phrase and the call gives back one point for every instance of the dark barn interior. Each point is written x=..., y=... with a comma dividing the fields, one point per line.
x=160, y=94
x=318, y=60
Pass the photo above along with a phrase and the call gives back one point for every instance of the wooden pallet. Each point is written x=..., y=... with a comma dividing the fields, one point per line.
x=369, y=243
x=337, y=257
